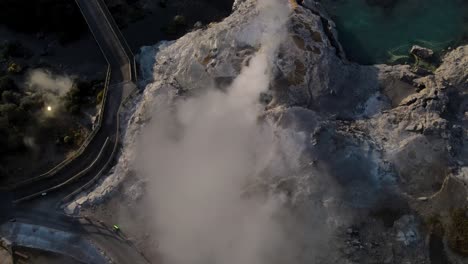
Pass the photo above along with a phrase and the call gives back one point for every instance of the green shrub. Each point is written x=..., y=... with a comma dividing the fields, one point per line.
x=99, y=97
x=14, y=68
x=68, y=140
x=179, y=20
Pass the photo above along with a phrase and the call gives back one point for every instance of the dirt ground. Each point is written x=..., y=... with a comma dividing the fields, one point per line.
x=5, y=257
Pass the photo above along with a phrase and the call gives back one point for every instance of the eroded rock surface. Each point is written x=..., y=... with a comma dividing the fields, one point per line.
x=383, y=148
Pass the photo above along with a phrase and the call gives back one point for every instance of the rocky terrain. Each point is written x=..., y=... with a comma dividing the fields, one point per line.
x=380, y=168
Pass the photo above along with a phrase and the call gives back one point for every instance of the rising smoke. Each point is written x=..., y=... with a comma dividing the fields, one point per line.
x=51, y=87
x=42, y=80
x=205, y=163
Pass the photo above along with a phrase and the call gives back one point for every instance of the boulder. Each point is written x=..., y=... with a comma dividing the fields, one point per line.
x=421, y=52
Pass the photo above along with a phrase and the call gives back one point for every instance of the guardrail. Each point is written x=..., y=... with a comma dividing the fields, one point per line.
x=118, y=34
x=133, y=74
x=75, y=177
x=111, y=157
x=80, y=151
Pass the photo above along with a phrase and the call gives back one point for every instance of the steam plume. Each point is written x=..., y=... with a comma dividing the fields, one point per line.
x=202, y=153
x=49, y=83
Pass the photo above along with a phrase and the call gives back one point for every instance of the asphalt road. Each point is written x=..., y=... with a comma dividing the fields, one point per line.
x=76, y=230
x=96, y=155
x=25, y=203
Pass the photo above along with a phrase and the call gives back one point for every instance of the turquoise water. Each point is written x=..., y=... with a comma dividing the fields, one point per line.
x=374, y=34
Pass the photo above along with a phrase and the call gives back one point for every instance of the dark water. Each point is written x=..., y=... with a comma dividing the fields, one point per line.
x=383, y=31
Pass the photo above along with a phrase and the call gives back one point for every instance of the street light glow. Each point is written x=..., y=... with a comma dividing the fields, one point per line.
x=49, y=108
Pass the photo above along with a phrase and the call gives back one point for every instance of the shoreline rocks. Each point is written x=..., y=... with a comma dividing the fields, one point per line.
x=421, y=52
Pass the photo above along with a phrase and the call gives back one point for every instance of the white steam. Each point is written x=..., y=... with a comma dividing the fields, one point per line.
x=43, y=81
x=202, y=153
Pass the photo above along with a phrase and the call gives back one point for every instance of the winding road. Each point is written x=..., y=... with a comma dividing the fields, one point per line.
x=102, y=145
x=37, y=222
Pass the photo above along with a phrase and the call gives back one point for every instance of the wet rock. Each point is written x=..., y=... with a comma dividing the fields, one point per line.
x=421, y=52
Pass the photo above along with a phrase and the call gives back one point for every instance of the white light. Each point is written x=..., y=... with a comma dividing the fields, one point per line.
x=49, y=108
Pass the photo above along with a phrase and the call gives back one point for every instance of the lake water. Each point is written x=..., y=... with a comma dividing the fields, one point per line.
x=374, y=33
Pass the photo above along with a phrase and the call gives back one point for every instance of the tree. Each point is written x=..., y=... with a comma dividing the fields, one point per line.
x=32, y=103
x=14, y=68
x=67, y=140
x=7, y=84
x=11, y=97
x=15, y=115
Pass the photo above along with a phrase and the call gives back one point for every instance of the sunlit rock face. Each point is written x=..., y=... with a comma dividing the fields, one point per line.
x=309, y=70
x=311, y=89
x=368, y=147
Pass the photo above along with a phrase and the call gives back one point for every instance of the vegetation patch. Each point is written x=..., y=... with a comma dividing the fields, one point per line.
x=36, y=124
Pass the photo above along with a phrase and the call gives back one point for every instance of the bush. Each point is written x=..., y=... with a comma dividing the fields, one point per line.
x=14, y=68
x=68, y=140
x=73, y=100
x=180, y=20
x=82, y=93
x=15, y=115
x=11, y=97
x=32, y=103
x=99, y=97
x=7, y=84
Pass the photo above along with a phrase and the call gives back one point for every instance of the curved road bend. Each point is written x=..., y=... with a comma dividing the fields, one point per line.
x=86, y=165
x=81, y=238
